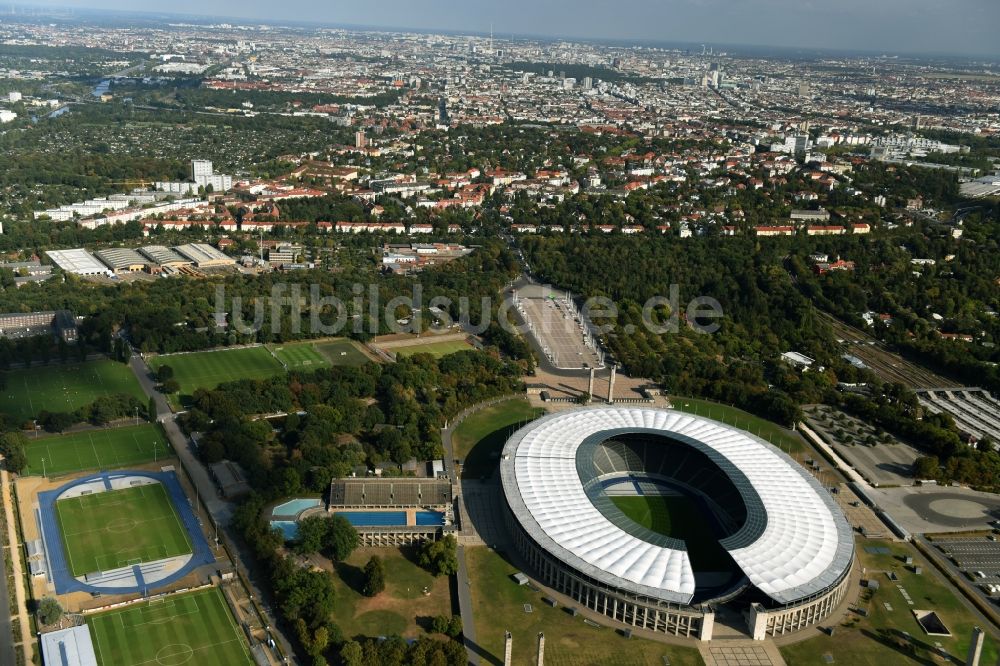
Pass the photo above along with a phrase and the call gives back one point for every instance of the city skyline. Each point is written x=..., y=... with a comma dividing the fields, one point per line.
x=892, y=27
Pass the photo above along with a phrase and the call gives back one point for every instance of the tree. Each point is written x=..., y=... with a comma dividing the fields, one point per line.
x=164, y=373
x=312, y=533
x=170, y=386
x=454, y=626
x=439, y=557
x=352, y=654
x=374, y=577
x=926, y=467
x=341, y=538
x=49, y=610
x=12, y=448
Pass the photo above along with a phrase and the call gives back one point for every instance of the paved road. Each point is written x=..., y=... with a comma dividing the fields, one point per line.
x=220, y=509
x=465, y=609
x=7, y=654
x=27, y=639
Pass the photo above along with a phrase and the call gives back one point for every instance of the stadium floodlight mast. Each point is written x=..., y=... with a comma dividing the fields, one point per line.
x=43, y=468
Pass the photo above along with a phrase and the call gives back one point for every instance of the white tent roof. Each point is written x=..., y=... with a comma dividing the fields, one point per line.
x=805, y=546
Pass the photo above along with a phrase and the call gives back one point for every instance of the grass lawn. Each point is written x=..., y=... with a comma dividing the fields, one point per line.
x=299, y=356
x=783, y=438
x=479, y=439
x=64, y=388
x=96, y=449
x=397, y=609
x=342, y=352
x=681, y=518
x=878, y=639
x=498, y=605
x=436, y=349
x=112, y=529
x=209, y=369
x=192, y=628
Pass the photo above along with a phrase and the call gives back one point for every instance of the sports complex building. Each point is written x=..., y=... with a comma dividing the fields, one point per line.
x=657, y=518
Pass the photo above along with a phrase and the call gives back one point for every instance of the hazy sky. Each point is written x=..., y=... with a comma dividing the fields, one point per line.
x=941, y=26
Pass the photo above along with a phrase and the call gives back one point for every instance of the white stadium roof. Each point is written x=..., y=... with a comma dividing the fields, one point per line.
x=796, y=541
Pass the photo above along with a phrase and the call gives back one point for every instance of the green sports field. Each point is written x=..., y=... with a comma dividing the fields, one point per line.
x=209, y=369
x=299, y=356
x=64, y=388
x=436, y=349
x=96, y=449
x=681, y=518
x=193, y=628
x=342, y=352
x=113, y=529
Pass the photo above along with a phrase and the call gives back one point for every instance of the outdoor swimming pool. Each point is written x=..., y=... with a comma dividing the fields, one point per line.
x=290, y=528
x=390, y=518
x=295, y=507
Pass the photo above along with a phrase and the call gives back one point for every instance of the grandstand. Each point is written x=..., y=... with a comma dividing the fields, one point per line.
x=654, y=518
x=395, y=493
x=385, y=511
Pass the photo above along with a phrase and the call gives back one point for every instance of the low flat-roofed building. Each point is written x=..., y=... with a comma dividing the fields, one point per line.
x=163, y=256
x=69, y=647
x=204, y=255
x=123, y=260
x=78, y=262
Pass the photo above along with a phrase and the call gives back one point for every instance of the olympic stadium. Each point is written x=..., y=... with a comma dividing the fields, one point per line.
x=659, y=520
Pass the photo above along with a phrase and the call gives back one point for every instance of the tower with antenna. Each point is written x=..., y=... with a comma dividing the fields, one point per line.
x=492, y=52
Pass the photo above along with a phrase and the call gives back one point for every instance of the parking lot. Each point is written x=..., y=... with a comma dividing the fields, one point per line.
x=877, y=456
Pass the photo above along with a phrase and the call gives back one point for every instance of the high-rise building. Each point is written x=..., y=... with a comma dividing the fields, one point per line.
x=201, y=169
x=803, y=90
x=13, y=96
x=360, y=140
x=588, y=83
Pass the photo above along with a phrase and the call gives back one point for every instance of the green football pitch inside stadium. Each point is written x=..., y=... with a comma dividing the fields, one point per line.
x=108, y=448
x=117, y=528
x=64, y=388
x=192, y=628
x=209, y=369
x=681, y=518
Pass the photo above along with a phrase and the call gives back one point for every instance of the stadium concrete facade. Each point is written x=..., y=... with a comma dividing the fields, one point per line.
x=777, y=547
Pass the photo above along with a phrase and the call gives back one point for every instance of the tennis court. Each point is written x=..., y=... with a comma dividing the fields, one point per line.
x=118, y=528
x=96, y=450
x=192, y=628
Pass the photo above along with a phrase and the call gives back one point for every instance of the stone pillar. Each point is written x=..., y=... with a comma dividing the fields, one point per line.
x=541, y=649
x=975, y=647
x=707, y=625
x=611, y=386
x=508, y=641
x=590, y=389
x=757, y=622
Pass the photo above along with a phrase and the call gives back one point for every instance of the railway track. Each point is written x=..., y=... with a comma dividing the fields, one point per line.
x=886, y=364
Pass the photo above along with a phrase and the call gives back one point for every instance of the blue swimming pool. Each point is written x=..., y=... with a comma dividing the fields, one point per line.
x=295, y=507
x=289, y=528
x=430, y=518
x=390, y=518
